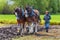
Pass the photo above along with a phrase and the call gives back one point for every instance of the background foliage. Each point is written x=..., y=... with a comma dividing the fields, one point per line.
x=7, y=6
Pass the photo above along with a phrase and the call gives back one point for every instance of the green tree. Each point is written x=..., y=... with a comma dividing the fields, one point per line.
x=53, y=5
x=58, y=5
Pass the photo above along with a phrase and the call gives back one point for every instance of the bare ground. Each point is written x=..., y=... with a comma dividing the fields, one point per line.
x=8, y=32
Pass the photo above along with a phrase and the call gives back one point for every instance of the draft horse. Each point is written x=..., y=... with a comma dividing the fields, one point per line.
x=20, y=20
x=32, y=19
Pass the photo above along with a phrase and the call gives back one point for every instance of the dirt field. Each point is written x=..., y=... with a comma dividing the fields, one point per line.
x=8, y=32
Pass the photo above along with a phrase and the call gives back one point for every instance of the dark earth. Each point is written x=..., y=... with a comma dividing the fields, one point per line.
x=10, y=31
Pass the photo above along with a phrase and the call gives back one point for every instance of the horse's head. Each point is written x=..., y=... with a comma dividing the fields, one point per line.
x=20, y=11
x=26, y=15
x=27, y=11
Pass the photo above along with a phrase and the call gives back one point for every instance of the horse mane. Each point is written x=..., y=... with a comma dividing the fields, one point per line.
x=36, y=11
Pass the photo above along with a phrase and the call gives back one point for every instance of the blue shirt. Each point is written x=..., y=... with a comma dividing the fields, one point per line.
x=47, y=18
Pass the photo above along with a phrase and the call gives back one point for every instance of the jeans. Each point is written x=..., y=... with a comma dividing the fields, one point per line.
x=47, y=26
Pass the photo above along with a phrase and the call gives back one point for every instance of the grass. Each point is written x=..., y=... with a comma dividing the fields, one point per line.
x=7, y=19
x=11, y=19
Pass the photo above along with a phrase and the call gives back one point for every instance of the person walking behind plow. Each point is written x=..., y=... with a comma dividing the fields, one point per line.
x=47, y=18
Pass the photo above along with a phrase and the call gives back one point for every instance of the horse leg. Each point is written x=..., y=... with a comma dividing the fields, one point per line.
x=35, y=27
x=27, y=27
x=31, y=28
x=18, y=28
x=24, y=28
x=21, y=29
x=35, y=24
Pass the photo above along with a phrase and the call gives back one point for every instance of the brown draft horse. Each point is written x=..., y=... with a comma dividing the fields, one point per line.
x=36, y=19
x=33, y=19
x=20, y=20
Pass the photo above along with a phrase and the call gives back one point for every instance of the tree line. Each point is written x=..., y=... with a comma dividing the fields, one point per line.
x=42, y=5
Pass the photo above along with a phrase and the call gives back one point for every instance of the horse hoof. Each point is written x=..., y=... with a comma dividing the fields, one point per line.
x=47, y=31
x=35, y=33
x=22, y=35
x=18, y=34
x=32, y=33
